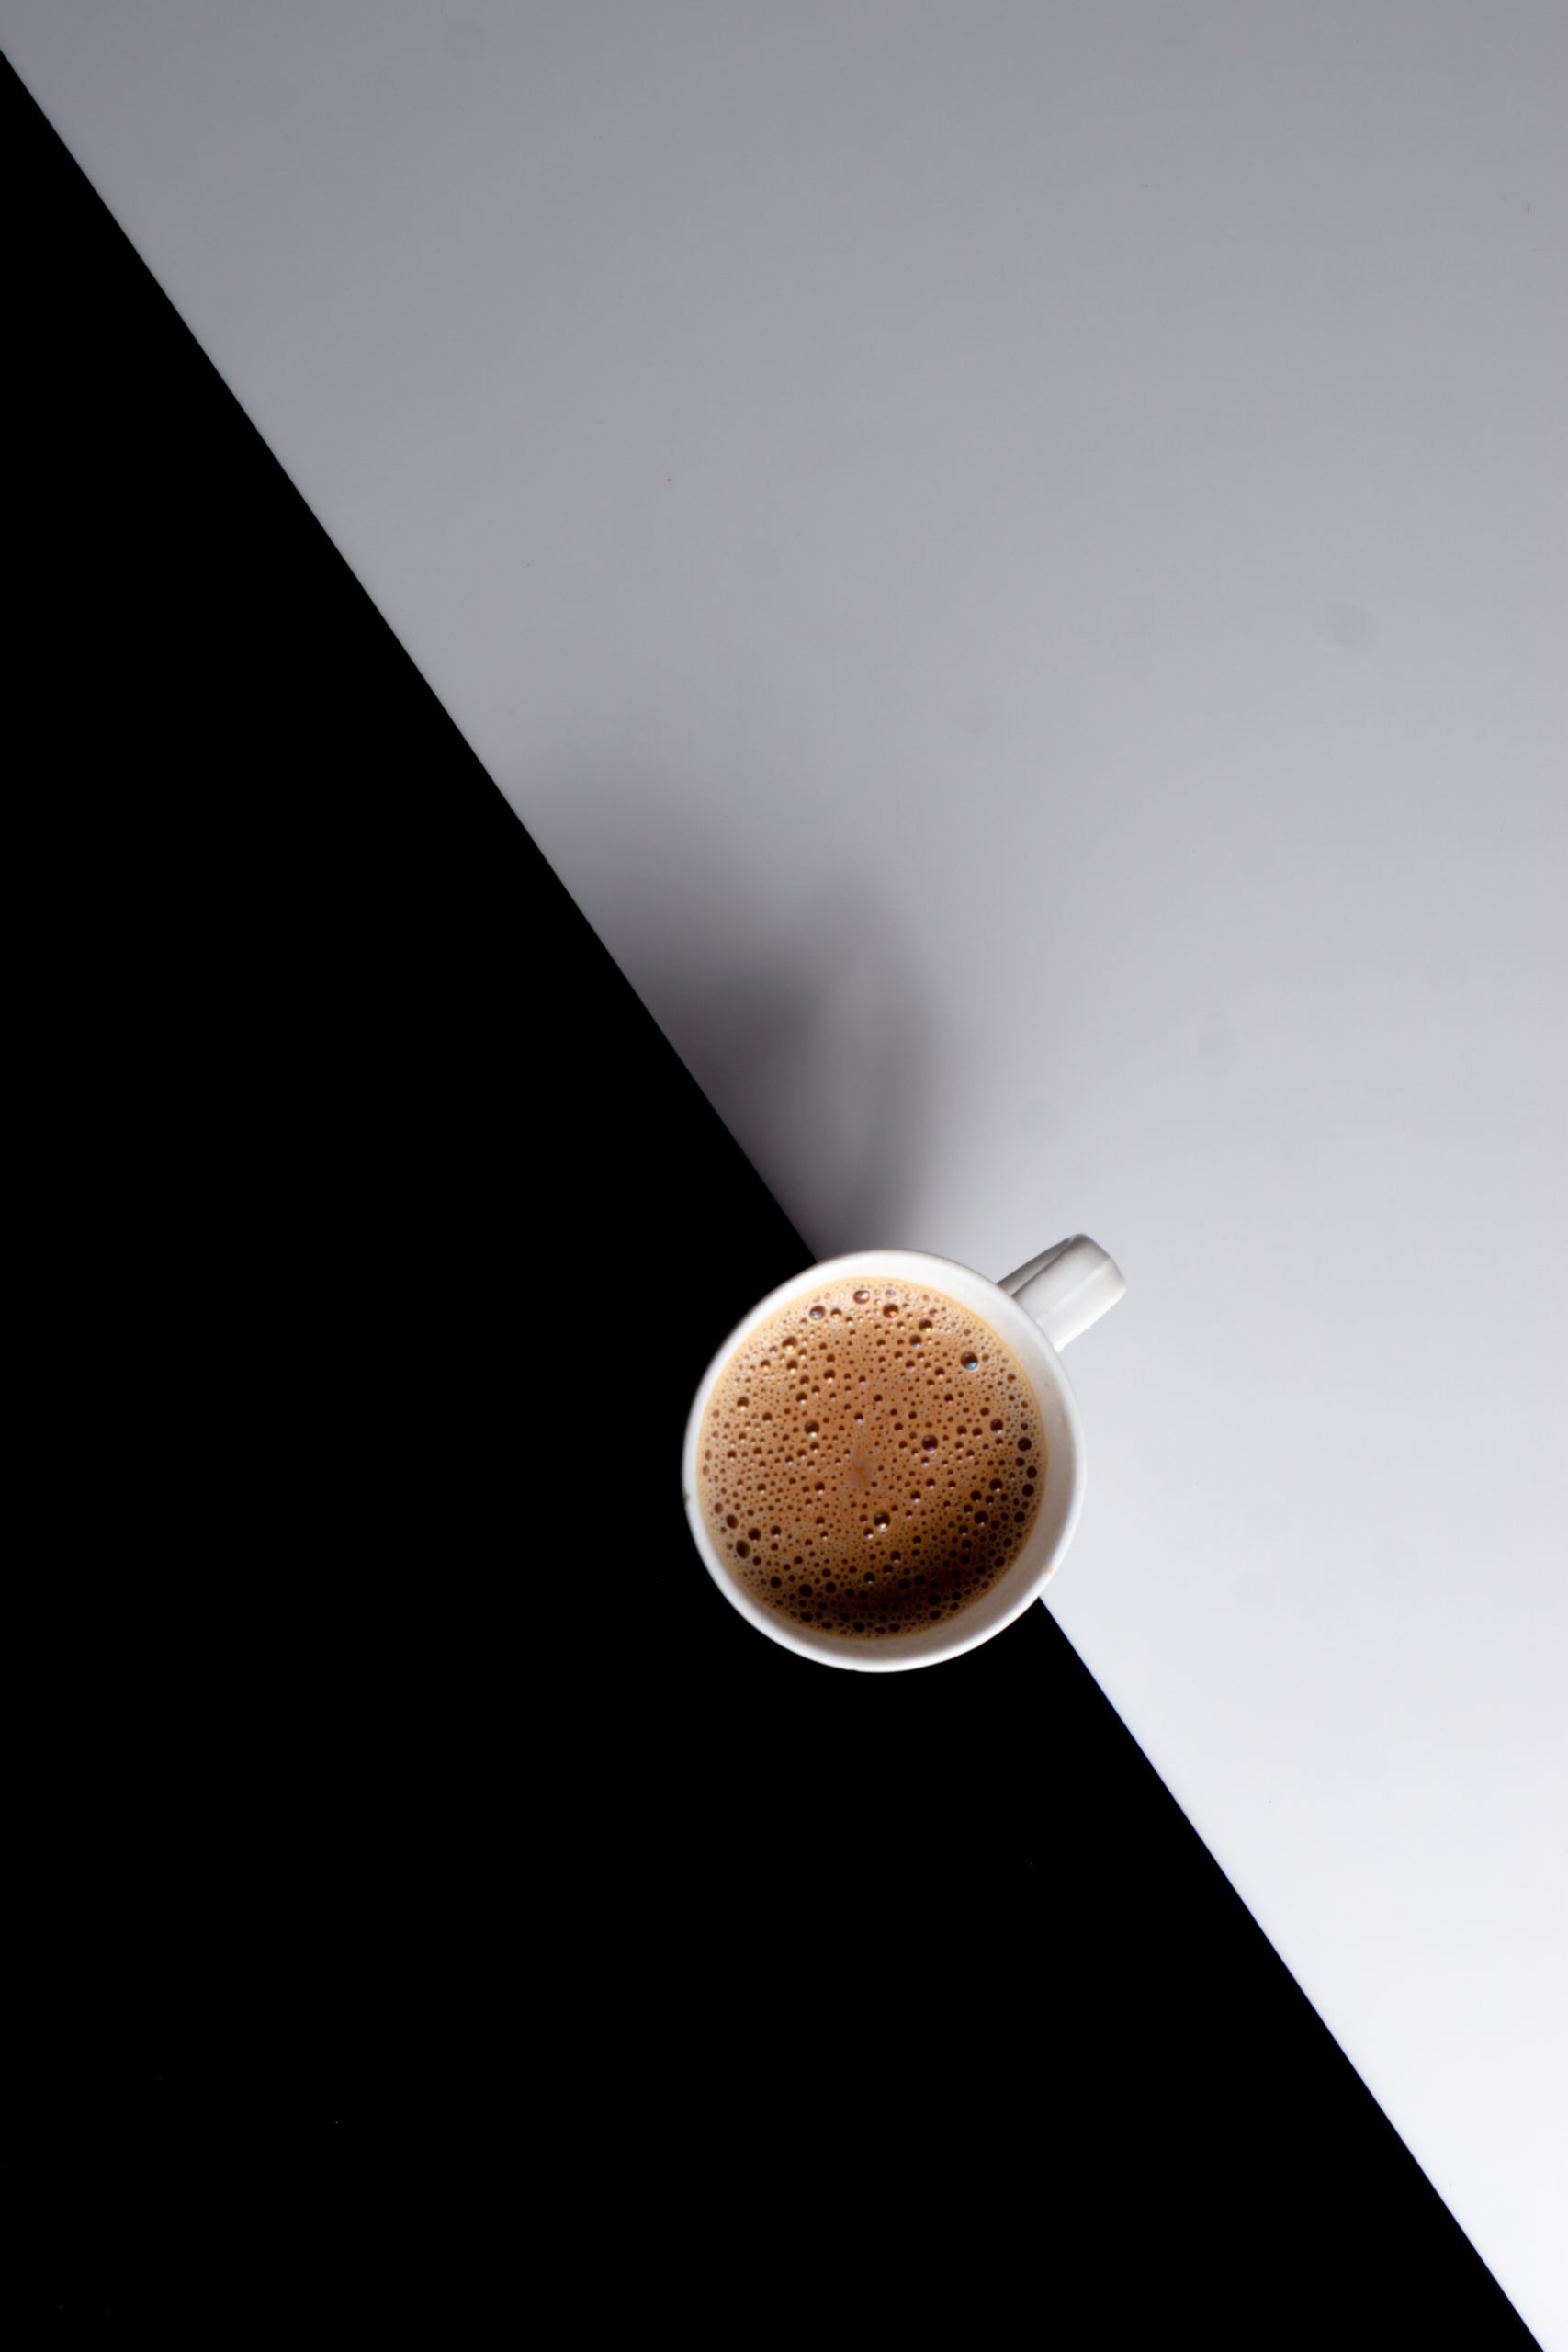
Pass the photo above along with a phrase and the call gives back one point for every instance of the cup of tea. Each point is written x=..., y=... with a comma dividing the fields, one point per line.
x=884, y=1464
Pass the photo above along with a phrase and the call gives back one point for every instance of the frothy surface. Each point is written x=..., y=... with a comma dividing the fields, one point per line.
x=872, y=1459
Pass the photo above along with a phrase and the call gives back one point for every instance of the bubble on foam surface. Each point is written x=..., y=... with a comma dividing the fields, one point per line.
x=814, y=1429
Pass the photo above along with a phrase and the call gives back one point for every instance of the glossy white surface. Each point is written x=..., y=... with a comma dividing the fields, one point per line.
x=1013, y=559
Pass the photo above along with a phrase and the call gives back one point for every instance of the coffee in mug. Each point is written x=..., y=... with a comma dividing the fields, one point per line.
x=871, y=1460
x=882, y=1464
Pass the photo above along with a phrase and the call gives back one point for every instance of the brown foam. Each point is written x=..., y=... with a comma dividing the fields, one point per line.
x=872, y=1460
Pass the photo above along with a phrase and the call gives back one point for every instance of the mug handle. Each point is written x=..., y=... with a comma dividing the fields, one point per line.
x=1067, y=1288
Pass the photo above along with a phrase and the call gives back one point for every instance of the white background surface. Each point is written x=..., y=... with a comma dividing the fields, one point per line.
x=1013, y=559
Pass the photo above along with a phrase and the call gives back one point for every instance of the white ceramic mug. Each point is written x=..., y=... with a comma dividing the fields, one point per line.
x=1036, y=1311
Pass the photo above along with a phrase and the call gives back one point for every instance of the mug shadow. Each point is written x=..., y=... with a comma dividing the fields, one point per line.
x=799, y=1019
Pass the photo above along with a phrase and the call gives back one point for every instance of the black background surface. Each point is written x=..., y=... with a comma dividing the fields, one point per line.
x=430, y=1887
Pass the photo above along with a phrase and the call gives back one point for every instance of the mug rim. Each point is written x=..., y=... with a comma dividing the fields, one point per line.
x=1027, y=1340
